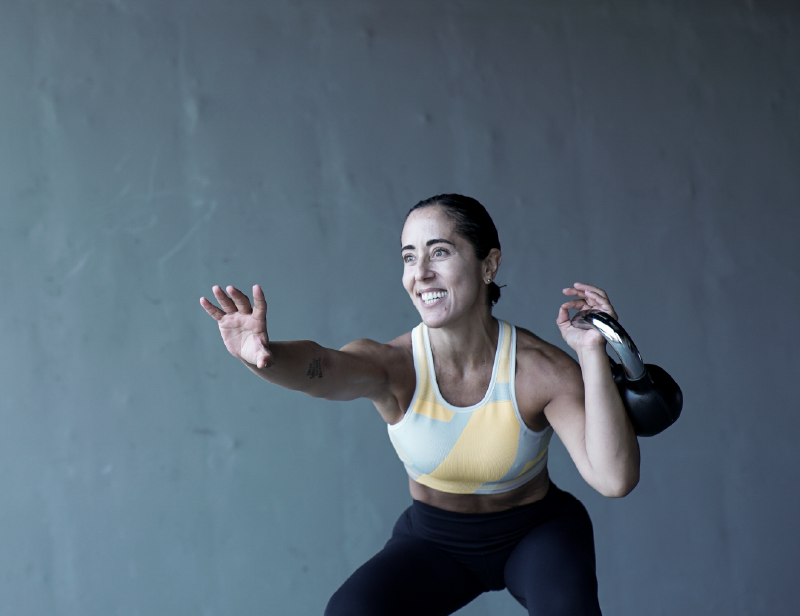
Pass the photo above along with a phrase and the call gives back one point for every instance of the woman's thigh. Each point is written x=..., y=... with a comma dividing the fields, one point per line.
x=552, y=570
x=409, y=576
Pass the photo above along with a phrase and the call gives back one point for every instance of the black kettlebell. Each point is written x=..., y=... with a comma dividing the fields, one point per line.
x=650, y=395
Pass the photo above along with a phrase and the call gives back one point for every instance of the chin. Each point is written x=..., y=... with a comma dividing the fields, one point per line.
x=435, y=321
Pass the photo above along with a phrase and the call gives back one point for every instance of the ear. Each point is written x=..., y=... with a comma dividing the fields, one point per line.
x=492, y=263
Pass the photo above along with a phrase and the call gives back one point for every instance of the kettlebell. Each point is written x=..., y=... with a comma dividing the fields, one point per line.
x=650, y=395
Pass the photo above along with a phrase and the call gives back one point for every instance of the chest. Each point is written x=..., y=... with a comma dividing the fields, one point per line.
x=461, y=388
x=464, y=390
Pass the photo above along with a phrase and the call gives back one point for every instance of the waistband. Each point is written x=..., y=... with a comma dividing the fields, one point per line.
x=487, y=532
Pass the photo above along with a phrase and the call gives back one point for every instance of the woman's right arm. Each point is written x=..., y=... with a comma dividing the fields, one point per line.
x=358, y=370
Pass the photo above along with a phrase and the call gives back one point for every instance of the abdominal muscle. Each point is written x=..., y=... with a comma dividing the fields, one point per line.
x=528, y=493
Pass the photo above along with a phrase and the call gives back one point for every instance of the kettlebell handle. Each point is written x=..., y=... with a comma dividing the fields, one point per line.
x=617, y=337
x=651, y=397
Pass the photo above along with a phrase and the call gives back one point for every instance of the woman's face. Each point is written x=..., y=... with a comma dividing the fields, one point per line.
x=440, y=271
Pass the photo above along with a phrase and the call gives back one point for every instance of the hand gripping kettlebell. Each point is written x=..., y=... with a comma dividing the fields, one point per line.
x=650, y=395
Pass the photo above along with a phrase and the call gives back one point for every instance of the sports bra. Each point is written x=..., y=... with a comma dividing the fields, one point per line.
x=485, y=448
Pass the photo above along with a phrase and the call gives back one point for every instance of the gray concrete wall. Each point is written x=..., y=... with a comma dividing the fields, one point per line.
x=152, y=148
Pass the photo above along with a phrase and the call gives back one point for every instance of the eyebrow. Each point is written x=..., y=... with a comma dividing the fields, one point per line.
x=429, y=243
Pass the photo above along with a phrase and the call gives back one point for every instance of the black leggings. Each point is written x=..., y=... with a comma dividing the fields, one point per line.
x=438, y=561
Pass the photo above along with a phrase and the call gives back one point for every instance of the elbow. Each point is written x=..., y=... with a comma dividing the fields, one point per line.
x=619, y=492
x=622, y=487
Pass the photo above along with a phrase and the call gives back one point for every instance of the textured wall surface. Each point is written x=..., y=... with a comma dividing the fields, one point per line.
x=152, y=148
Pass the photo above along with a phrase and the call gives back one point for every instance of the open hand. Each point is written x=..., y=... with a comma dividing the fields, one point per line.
x=588, y=298
x=243, y=328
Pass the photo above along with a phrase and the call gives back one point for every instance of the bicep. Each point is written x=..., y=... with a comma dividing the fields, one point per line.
x=566, y=413
x=362, y=370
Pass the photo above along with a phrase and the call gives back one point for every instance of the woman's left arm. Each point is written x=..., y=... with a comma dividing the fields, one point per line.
x=591, y=420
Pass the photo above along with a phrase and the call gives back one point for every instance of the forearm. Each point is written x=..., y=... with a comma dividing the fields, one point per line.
x=320, y=372
x=300, y=365
x=611, y=445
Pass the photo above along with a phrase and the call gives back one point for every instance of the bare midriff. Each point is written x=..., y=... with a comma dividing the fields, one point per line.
x=526, y=494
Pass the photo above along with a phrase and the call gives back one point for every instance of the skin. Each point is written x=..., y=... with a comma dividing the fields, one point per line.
x=579, y=400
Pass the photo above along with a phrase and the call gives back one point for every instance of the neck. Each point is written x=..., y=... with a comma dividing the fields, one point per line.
x=467, y=344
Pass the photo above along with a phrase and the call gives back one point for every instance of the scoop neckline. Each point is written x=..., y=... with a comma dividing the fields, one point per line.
x=489, y=389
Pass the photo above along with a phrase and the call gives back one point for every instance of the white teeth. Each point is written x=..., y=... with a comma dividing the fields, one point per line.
x=432, y=296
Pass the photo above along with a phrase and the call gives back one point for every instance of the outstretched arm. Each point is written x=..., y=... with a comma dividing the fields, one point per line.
x=358, y=370
x=588, y=413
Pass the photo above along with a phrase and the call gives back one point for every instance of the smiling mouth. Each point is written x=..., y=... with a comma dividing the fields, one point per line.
x=431, y=297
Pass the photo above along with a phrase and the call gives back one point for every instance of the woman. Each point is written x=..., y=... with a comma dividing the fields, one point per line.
x=470, y=403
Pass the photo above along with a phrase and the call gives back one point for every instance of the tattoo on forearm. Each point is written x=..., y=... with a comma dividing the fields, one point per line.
x=315, y=368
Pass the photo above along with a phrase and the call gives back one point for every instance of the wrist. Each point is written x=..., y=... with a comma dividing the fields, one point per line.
x=592, y=352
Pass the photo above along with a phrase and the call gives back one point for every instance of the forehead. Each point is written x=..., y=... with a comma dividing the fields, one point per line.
x=428, y=223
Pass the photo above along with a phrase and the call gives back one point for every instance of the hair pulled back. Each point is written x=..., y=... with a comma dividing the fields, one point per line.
x=473, y=223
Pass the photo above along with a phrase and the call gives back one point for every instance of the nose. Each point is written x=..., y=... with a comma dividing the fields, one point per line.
x=423, y=270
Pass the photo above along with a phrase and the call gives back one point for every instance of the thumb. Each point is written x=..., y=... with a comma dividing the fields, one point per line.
x=264, y=356
x=563, y=314
x=264, y=359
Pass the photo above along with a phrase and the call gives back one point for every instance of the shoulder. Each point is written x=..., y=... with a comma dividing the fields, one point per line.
x=393, y=364
x=402, y=343
x=535, y=353
x=396, y=349
x=544, y=371
x=393, y=359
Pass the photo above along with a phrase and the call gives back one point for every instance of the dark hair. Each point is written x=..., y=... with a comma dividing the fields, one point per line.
x=473, y=223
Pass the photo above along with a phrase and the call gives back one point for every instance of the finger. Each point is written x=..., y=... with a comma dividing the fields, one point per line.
x=259, y=303
x=240, y=299
x=563, y=314
x=563, y=311
x=581, y=286
x=594, y=298
x=599, y=302
x=597, y=298
x=224, y=301
x=581, y=293
x=214, y=312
